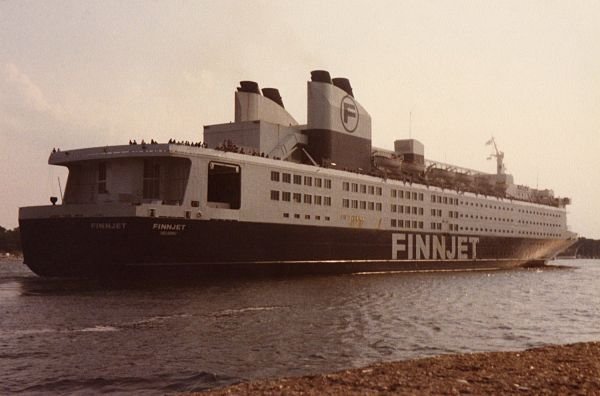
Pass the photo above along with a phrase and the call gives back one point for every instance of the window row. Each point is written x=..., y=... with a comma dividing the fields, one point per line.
x=363, y=205
x=436, y=212
x=408, y=195
x=287, y=196
x=299, y=179
x=545, y=234
x=537, y=223
x=453, y=214
x=436, y=226
x=399, y=223
x=533, y=212
x=362, y=188
x=487, y=218
x=307, y=217
x=476, y=229
x=415, y=210
x=444, y=200
x=487, y=206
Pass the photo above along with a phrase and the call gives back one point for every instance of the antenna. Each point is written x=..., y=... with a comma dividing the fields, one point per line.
x=410, y=125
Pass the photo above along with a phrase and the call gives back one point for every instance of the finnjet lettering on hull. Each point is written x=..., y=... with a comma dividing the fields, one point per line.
x=168, y=229
x=433, y=247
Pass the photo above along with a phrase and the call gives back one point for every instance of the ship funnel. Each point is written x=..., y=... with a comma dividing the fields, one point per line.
x=273, y=94
x=344, y=84
x=249, y=86
x=320, y=76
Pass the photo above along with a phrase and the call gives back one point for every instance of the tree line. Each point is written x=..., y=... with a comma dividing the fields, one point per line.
x=10, y=240
x=583, y=248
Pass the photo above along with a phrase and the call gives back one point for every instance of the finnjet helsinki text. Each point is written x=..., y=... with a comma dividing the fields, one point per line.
x=434, y=247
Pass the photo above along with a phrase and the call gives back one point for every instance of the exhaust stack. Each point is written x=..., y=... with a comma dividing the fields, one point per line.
x=343, y=84
x=320, y=76
x=249, y=86
x=273, y=94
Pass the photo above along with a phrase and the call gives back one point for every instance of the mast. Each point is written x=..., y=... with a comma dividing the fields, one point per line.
x=499, y=155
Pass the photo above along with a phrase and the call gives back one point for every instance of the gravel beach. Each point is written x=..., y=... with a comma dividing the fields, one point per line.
x=558, y=369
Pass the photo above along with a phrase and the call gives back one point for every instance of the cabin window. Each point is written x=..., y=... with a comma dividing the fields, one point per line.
x=274, y=195
x=151, y=184
x=102, y=178
x=346, y=186
x=297, y=179
x=224, y=184
x=327, y=202
x=286, y=196
x=274, y=176
x=307, y=181
x=286, y=177
x=317, y=200
x=297, y=198
x=327, y=183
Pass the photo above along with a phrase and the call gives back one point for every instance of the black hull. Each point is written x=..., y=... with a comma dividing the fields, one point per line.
x=68, y=247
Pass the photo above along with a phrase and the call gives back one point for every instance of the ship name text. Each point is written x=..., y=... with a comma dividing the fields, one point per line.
x=435, y=247
x=168, y=227
x=108, y=226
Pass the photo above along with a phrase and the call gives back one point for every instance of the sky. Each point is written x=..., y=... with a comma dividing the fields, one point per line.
x=92, y=73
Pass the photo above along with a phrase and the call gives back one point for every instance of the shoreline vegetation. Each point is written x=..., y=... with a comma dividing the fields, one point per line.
x=10, y=242
x=554, y=369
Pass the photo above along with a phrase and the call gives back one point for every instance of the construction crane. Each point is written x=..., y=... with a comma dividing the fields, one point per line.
x=499, y=155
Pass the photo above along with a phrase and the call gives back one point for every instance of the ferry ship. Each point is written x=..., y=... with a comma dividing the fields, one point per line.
x=265, y=194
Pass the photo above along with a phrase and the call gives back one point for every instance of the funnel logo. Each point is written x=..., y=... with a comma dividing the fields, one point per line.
x=349, y=113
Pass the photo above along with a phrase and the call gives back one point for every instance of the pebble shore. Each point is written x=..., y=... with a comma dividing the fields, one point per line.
x=559, y=369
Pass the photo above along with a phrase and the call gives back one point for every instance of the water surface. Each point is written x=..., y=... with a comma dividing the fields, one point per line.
x=74, y=336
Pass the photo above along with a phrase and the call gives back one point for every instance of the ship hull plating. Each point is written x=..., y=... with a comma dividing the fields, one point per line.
x=102, y=246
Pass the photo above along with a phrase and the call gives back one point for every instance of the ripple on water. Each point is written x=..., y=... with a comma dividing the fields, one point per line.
x=76, y=336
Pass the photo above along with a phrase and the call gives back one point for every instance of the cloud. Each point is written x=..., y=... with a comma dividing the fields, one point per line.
x=21, y=92
x=25, y=112
x=30, y=125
